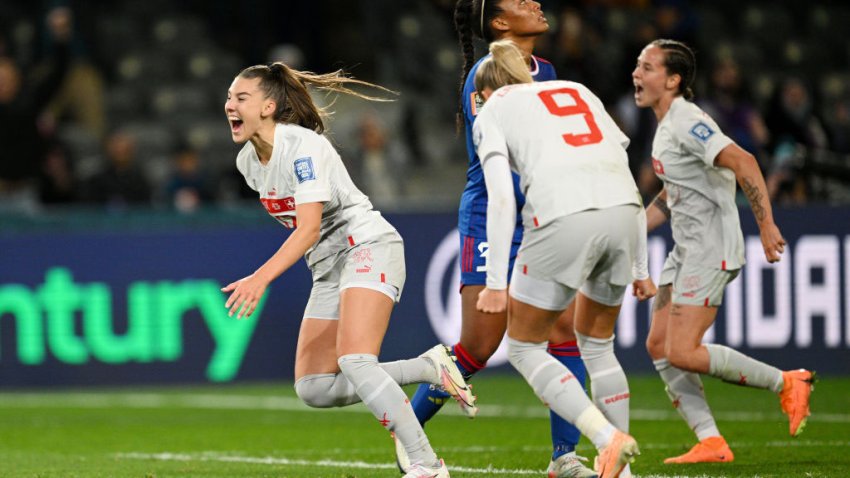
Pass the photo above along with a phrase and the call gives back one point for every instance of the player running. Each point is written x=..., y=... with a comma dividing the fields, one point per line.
x=355, y=255
x=699, y=165
x=584, y=238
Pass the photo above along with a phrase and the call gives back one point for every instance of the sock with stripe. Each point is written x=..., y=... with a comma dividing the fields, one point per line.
x=429, y=399
x=558, y=388
x=732, y=366
x=565, y=436
x=608, y=384
x=388, y=403
x=325, y=390
x=686, y=392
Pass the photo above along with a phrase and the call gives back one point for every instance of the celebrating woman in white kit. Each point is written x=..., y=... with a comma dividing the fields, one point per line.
x=699, y=165
x=584, y=238
x=356, y=257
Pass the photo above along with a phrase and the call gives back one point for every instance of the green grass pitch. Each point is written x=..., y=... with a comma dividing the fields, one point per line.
x=262, y=430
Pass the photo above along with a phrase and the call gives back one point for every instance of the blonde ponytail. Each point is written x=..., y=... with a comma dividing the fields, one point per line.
x=505, y=66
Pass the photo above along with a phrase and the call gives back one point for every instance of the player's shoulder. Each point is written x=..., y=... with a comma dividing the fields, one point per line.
x=684, y=110
x=542, y=69
x=687, y=118
x=297, y=138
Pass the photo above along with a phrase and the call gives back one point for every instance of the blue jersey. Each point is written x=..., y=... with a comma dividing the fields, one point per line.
x=472, y=213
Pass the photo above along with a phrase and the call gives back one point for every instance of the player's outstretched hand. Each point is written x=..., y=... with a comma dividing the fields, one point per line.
x=246, y=294
x=644, y=289
x=492, y=301
x=773, y=242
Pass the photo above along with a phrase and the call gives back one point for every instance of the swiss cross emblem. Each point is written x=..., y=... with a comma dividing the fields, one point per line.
x=657, y=166
x=290, y=203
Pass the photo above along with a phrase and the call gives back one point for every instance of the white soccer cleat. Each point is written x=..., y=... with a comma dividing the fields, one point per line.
x=569, y=466
x=422, y=471
x=451, y=379
x=401, y=458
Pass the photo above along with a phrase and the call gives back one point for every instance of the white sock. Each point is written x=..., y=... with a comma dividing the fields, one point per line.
x=593, y=425
x=325, y=390
x=415, y=370
x=388, y=403
x=558, y=388
x=686, y=392
x=734, y=367
x=608, y=384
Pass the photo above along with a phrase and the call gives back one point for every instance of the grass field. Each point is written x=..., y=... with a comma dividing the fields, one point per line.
x=263, y=430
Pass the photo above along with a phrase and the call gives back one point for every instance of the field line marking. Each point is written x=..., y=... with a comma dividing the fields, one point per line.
x=254, y=402
x=217, y=457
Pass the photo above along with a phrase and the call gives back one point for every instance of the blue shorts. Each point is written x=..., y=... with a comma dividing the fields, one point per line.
x=473, y=260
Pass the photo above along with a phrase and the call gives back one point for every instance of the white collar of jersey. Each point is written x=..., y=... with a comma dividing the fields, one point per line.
x=535, y=67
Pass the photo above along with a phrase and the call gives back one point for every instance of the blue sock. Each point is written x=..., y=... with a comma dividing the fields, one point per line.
x=428, y=399
x=565, y=436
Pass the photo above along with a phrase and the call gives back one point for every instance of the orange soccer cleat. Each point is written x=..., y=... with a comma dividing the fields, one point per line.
x=794, y=397
x=710, y=450
x=620, y=451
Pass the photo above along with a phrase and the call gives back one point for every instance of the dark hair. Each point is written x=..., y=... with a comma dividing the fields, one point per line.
x=470, y=24
x=288, y=88
x=680, y=60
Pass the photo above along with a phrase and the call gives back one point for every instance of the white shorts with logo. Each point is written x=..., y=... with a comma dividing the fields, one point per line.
x=694, y=284
x=377, y=264
x=590, y=250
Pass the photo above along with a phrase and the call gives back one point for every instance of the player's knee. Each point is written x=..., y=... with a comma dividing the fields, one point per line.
x=315, y=390
x=680, y=358
x=594, y=348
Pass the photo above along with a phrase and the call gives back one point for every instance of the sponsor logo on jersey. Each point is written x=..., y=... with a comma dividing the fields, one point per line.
x=304, y=169
x=702, y=131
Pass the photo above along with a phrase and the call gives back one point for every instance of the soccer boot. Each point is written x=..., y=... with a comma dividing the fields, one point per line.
x=422, y=471
x=710, y=450
x=794, y=398
x=569, y=466
x=621, y=450
x=451, y=379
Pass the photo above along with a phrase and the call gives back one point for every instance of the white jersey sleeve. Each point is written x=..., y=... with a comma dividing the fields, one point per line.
x=488, y=136
x=311, y=168
x=640, y=265
x=501, y=206
x=699, y=134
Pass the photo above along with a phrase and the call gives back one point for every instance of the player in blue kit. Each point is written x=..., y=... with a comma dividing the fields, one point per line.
x=521, y=21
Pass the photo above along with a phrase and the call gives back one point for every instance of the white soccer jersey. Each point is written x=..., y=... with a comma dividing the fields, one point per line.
x=701, y=196
x=568, y=152
x=304, y=168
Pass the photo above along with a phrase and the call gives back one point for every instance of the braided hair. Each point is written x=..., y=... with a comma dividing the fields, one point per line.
x=472, y=20
x=680, y=60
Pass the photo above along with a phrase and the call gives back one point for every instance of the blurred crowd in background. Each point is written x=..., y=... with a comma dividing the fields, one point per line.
x=120, y=104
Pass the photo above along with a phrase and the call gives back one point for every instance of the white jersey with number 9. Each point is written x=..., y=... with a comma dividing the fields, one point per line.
x=567, y=150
